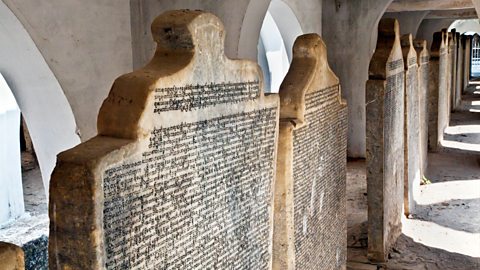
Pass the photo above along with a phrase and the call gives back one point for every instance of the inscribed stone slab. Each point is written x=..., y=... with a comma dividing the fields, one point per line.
x=310, y=207
x=467, y=62
x=435, y=82
x=444, y=89
x=181, y=174
x=411, y=125
x=453, y=51
x=385, y=120
x=11, y=257
x=459, y=73
x=423, y=58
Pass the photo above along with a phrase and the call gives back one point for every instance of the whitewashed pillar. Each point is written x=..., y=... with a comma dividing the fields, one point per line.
x=11, y=191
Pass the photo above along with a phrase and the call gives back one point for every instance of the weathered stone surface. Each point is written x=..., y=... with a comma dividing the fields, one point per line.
x=36, y=253
x=181, y=173
x=467, y=62
x=450, y=66
x=411, y=125
x=310, y=207
x=423, y=58
x=385, y=142
x=11, y=257
x=438, y=51
x=445, y=86
x=459, y=72
x=453, y=51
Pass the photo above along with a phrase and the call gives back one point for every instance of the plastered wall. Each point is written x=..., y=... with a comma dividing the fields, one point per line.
x=86, y=43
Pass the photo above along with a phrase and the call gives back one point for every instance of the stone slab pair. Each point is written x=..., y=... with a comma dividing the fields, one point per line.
x=182, y=172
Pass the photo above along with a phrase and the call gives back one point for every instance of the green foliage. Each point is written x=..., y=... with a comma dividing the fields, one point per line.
x=425, y=181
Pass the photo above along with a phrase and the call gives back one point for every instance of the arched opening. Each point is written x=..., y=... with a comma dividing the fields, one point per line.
x=426, y=201
x=475, y=58
x=279, y=30
x=466, y=27
x=36, y=100
x=470, y=27
x=39, y=95
x=11, y=191
x=22, y=196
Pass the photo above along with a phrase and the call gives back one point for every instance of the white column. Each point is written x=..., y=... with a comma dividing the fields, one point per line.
x=11, y=190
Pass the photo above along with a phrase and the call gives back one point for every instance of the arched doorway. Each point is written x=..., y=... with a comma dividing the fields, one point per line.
x=279, y=30
x=38, y=94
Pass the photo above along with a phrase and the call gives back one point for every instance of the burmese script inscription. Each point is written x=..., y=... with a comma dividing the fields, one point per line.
x=319, y=186
x=385, y=136
x=200, y=191
x=181, y=173
x=200, y=96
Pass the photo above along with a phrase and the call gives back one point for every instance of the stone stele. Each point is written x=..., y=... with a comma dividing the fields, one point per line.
x=411, y=125
x=385, y=163
x=423, y=58
x=467, y=61
x=453, y=51
x=11, y=257
x=436, y=85
x=310, y=215
x=444, y=88
x=181, y=173
x=459, y=71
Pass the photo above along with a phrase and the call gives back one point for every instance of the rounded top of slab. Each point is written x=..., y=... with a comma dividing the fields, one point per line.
x=388, y=27
x=420, y=44
x=463, y=40
x=423, y=54
x=406, y=40
x=450, y=37
x=309, y=72
x=308, y=45
x=438, y=43
x=183, y=30
x=409, y=53
x=388, y=49
x=190, y=53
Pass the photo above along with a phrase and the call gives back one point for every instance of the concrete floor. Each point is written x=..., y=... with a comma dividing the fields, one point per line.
x=444, y=233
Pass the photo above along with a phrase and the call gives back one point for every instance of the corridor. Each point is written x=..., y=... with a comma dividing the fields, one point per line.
x=240, y=134
x=444, y=233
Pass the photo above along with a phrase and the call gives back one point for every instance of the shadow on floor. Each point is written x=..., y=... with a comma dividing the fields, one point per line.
x=463, y=214
x=463, y=133
x=452, y=166
x=463, y=137
x=405, y=255
x=448, y=171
